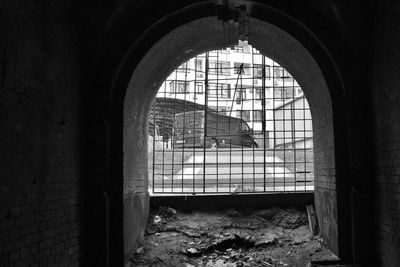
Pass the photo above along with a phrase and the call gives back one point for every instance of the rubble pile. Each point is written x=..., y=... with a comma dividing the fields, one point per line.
x=273, y=237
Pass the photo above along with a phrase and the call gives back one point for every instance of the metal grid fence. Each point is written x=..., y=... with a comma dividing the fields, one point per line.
x=230, y=121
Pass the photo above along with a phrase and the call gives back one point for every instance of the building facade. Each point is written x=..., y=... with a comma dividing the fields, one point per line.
x=240, y=82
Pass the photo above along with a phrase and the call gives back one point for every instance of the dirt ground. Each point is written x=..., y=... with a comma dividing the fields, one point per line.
x=272, y=237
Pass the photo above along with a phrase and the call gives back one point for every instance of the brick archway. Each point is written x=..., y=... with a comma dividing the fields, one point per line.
x=128, y=129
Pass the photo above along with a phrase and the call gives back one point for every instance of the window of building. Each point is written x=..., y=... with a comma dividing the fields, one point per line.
x=199, y=68
x=258, y=71
x=299, y=91
x=225, y=68
x=258, y=94
x=289, y=92
x=242, y=47
x=281, y=73
x=257, y=115
x=284, y=93
x=286, y=74
x=278, y=93
x=219, y=90
x=179, y=87
x=185, y=67
x=238, y=48
x=219, y=67
x=267, y=72
x=246, y=68
x=278, y=72
x=199, y=88
x=240, y=95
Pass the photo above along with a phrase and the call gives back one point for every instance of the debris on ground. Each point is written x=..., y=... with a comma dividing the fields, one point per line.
x=270, y=237
x=139, y=250
x=289, y=219
x=266, y=240
x=157, y=219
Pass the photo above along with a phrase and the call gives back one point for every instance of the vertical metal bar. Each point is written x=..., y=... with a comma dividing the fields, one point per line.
x=304, y=145
x=205, y=120
x=154, y=141
x=274, y=120
x=163, y=159
x=294, y=133
x=163, y=150
x=230, y=162
x=241, y=117
x=184, y=126
x=219, y=67
x=194, y=124
x=229, y=127
x=264, y=121
x=173, y=150
x=252, y=114
x=284, y=127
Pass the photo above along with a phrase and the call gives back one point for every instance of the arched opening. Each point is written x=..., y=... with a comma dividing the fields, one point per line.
x=230, y=121
x=178, y=46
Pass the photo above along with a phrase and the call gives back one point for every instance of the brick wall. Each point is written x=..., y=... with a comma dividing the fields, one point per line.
x=47, y=210
x=41, y=141
x=386, y=88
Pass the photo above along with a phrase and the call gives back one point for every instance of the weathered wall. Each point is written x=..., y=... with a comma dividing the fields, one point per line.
x=41, y=142
x=136, y=200
x=385, y=82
